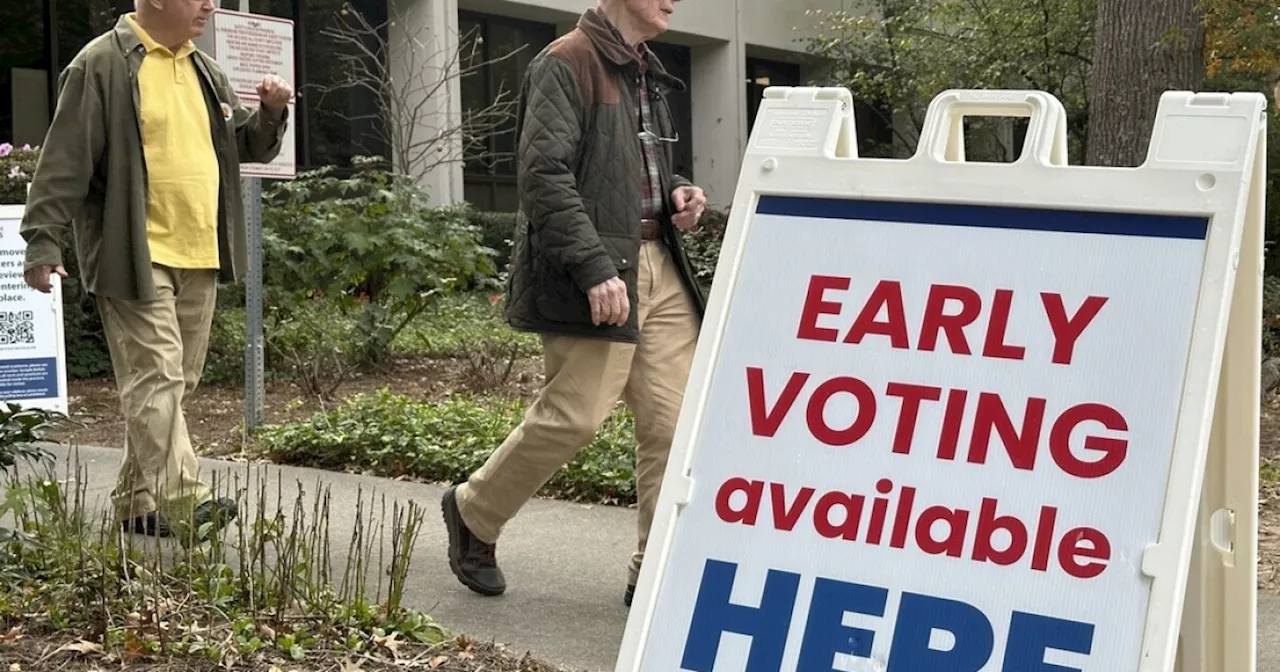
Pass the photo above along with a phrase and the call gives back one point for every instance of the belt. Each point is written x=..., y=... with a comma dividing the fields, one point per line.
x=649, y=229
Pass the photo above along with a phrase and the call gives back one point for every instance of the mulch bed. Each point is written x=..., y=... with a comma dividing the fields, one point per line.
x=61, y=653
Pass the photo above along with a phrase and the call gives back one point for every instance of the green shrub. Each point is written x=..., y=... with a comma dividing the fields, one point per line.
x=456, y=325
x=703, y=245
x=17, y=165
x=22, y=429
x=390, y=435
x=496, y=231
x=372, y=241
x=1270, y=316
x=225, y=360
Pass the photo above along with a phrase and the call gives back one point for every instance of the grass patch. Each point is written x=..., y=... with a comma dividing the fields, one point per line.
x=391, y=435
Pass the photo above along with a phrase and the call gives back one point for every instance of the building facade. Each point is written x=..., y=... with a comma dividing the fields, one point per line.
x=448, y=61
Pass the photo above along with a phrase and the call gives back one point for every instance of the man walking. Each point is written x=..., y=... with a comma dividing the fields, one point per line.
x=142, y=164
x=597, y=269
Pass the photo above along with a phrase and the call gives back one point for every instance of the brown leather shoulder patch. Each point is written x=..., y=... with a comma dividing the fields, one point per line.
x=576, y=49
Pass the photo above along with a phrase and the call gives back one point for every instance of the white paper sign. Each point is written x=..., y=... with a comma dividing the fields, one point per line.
x=250, y=47
x=33, y=361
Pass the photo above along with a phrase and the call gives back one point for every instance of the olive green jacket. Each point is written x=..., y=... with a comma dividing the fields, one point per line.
x=92, y=175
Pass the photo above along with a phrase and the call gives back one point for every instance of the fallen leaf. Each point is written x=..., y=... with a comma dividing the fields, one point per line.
x=14, y=667
x=14, y=634
x=437, y=661
x=351, y=666
x=389, y=643
x=81, y=647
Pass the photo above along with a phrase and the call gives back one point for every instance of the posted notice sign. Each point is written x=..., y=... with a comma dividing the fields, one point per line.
x=250, y=47
x=33, y=362
x=929, y=435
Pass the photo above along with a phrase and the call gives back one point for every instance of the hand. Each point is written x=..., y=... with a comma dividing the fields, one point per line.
x=689, y=203
x=38, y=277
x=275, y=94
x=609, y=303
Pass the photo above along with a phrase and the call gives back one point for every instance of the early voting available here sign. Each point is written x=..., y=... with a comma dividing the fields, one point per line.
x=902, y=429
x=931, y=436
x=32, y=350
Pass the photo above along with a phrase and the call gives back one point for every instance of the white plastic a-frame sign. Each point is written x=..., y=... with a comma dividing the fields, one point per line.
x=950, y=416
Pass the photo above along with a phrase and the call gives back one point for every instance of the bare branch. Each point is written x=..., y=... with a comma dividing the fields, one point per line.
x=407, y=84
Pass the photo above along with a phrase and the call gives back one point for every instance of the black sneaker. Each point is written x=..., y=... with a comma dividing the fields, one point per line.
x=629, y=595
x=473, y=561
x=217, y=511
x=151, y=525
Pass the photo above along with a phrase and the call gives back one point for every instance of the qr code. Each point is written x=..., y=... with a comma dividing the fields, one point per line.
x=17, y=327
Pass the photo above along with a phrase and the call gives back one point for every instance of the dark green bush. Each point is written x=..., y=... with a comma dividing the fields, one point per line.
x=703, y=244
x=496, y=232
x=370, y=241
x=390, y=435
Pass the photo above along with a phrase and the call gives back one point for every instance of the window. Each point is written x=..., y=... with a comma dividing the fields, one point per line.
x=875, y=129
x=763, y=73
x=495, y=52
x=31, y=59
x=334, y=124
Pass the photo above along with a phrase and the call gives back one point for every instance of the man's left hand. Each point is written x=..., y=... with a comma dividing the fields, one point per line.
x=689, y=203
x=275, y=94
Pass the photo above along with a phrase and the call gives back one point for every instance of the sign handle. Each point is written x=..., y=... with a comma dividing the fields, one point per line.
x=942, y=138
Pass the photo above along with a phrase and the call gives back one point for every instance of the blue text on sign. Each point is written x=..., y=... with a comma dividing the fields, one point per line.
x=825, y=636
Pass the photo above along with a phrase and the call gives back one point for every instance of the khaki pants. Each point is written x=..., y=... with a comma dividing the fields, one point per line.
x=157, y=351
x=584, y=379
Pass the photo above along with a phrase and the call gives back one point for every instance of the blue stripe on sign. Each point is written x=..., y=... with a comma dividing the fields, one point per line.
x=990, y=216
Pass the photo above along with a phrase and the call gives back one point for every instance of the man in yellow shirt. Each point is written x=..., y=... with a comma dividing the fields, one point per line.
x=142, y=162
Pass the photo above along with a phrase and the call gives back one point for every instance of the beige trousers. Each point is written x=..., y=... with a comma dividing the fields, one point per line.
x=584, y=379
x=158, y=350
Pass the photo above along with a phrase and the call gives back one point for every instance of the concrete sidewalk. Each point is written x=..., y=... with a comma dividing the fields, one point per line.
x=565, y=564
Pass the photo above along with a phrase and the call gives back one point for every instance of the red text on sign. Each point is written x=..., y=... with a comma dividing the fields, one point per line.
x=948, y=310
x=1081, y=552
x=991, y=418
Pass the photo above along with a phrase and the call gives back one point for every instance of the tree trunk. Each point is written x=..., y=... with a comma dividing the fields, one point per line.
x=1142, y=48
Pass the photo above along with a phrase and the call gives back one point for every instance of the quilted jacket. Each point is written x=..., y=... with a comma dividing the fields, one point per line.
x=580, y=168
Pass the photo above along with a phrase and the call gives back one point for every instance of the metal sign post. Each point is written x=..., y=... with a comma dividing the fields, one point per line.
x=250, y=47
x=255, y=391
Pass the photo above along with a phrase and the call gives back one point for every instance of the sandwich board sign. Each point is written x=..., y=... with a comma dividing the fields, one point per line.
x=33, y=353
x=948, y=416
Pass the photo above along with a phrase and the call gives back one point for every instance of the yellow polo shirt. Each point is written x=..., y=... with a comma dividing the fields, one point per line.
x=182, y=167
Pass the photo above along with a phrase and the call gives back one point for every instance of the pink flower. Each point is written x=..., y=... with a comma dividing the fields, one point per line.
x=495, y=298
x=26, y=148
x=5, y=148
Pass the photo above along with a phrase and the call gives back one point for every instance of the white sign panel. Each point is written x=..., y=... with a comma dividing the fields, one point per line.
x=250, y=47
x=285, y=165
x=33, y=360
x=914, y=404
x=950, y=417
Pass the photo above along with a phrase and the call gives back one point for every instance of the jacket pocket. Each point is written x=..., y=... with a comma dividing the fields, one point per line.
x=559, y=298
